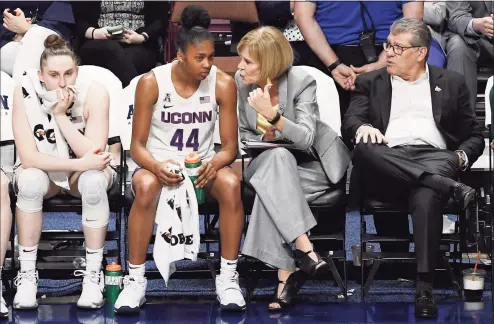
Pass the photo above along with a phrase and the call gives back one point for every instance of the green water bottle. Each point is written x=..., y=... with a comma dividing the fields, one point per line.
x=192, y=165
x=113, y=282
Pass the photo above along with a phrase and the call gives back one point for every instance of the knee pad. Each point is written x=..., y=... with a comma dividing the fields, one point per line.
x=32, y=185
x=95, y=209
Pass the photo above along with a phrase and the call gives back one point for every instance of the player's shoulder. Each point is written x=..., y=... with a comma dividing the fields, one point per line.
x=224, y=81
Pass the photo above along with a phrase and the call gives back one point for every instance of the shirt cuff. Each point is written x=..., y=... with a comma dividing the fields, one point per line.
x=470, y=31
x=464, y=157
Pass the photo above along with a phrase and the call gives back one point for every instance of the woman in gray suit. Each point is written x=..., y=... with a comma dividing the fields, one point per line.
x=278, y=102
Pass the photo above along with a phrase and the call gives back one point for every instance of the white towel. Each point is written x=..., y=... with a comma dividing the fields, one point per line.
x=38, y=104
x=177, y=236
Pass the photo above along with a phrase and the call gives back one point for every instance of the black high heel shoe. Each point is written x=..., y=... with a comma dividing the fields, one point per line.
x=292, y=285
x=308, y=265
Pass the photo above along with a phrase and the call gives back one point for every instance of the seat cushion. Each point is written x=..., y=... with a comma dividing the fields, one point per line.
x=330, y=198
x=371, y=204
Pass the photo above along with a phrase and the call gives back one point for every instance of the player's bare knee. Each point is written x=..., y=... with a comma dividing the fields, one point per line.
x=147, y=188
x=229, y=186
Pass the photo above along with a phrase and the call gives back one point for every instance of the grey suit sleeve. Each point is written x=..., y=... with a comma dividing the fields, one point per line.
x=302, y=131
x=246, y=132
x=434, y=13
x=460, y=15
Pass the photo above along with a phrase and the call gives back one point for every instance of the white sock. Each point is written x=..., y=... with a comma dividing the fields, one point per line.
x=228, y=267
x=137, y=270
x=27, y=257
x=94, y=257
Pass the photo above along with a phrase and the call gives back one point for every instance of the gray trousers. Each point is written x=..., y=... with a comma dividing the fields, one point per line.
x=463, y=58
x=281, y=211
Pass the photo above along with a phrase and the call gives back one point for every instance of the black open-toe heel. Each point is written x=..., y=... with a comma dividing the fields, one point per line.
x=291, y=288
x=308, y=265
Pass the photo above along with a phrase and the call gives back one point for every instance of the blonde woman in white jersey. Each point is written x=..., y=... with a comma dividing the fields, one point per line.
x=174, y=114
x=60, y=124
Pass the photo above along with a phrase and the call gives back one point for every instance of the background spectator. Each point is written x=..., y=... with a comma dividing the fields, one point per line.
x=469, y=39
x=332, y=29
x=137, y=52
x=435, y=14
x=26, y=25
x=279, y=14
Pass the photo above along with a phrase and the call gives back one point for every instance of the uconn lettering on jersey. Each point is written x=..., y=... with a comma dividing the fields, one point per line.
x=5, y=102
x=186, y=117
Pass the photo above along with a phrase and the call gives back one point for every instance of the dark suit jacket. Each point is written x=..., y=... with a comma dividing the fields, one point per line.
x=454, y=117
x=156, y=17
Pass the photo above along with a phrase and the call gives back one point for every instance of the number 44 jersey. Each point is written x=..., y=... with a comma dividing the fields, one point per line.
x=180, y=126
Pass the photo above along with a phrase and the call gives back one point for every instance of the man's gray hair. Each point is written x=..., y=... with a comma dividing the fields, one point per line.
x=421, y=35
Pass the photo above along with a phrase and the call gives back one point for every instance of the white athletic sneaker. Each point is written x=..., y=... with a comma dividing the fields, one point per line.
x=4, y=310
x=133, y=295
x=229, y=294
x=27, y=287
x=92, y=289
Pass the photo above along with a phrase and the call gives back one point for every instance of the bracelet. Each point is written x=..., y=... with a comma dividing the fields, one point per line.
x=334, y=65
x=275, y=119
x=146, y=37
x=92, y=33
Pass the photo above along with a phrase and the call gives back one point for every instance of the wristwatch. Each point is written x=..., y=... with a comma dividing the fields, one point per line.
x=463, y=159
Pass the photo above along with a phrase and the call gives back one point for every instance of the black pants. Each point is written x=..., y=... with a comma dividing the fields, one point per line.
x=125, y=61
x=393, y=175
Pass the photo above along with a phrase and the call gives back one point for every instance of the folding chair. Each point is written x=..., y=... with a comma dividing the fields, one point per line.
x=61, y=252
x=330, y=208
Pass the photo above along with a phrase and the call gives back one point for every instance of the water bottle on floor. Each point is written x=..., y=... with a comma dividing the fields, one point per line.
x=113, y=282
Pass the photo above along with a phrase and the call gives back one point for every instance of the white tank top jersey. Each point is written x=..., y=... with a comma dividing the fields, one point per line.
x=181, y=126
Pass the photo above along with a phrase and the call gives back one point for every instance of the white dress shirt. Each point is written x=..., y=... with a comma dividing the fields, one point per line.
x=411, y=121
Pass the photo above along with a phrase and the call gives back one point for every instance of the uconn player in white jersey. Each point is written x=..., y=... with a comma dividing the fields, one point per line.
x=174, y=114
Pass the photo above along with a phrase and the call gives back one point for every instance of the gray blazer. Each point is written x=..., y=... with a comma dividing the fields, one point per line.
x=298, y=104
x=461, y=12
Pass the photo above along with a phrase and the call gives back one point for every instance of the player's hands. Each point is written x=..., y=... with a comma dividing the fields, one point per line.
x=205, y=174
x=165, y=176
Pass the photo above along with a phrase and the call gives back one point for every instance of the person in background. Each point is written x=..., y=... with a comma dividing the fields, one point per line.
x=26, y=25
x=347, y=36
x=134, y=51
x=470, y=39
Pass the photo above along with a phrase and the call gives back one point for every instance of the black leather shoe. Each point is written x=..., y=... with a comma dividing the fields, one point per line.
x=463, y=194
x=292, y=285
x=305, y=263
x=425, y=306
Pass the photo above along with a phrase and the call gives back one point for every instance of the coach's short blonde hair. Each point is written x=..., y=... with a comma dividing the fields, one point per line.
x=268, y=47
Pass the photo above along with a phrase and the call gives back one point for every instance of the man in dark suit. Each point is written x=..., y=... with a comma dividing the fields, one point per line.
x=414, y=131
